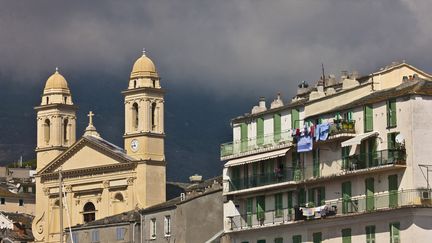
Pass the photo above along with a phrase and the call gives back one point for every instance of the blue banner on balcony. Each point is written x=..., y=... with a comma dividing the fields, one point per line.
x=322, y=131
x=304, y=143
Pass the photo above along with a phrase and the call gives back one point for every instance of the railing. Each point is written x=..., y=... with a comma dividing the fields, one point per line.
x=353, y=205
x=267, y=141
x=262, y=179
x=369, y=160
x=342, y=126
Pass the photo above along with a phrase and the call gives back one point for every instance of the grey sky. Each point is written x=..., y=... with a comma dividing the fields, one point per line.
x=222, y=46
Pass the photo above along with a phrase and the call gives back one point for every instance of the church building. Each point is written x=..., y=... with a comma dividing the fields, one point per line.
x=98, y=178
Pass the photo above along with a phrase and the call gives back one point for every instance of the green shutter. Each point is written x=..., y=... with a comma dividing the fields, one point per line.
x=346, y=197
x=295, y=119
x=260, y=203
x=345, y=157
x=243, y=137
x=311, y=197
x=368, y=118
x=301, y=197
x=391, y=140
x=261, y=241
x=278, y=240
x=290, y=202
x=255, y=175
x=277, y=127
x=370, y=234
x=393, y=191
x=373, y=157
x=391, y=113
x=297, y=239
x=394, y=232
x=235, y=177
x=321, y=195
x=278, y=205
x=346, y=235
x=316, y=162
x=260, y=131
x=249, y=211
x=317, y=237
x=370, y=190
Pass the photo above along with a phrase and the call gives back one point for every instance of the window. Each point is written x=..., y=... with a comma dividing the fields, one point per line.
x=65, y=99
x=297, y=239
x=277, y=127
x=65, y=130
x=316, y=196
x=394, y=232
x=135, y=116
x=370, y=190
x=317, y=237
x=290, y=203
x=278, y=205
x=260, y=207
x=47, y=100
x=153, y=116
x=393, y=191
x=301, y=197
x=316, y=162
x=21, y=202
x=2, y=201
x=391, y=113
x=345, y=157
x=295, y=119
x=120, y=233
x=346, y=197
x=261, y=241
x=249, y=211
x=134, y=83
x=368, y=118
x=348, y=116
x=89, y=212
x=260, y=131
x=346, y=235
x=243, y=137
x=278, y=240
x=95, y=236
x=153, y=228
x=47, y=130
x=370, y=234
x=167, y=225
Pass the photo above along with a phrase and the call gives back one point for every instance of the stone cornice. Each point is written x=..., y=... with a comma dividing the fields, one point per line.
x=50, y=106
x=143, y=89
x=148, y=134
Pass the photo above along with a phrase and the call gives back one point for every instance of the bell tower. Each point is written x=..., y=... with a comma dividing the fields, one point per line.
x=56, y=120
x=144, y=112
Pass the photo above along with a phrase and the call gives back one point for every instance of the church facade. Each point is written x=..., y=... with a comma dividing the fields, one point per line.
x=98, y=178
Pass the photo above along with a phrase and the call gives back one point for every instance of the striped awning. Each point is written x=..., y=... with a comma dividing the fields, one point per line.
x=257, y=157
x=358, y=139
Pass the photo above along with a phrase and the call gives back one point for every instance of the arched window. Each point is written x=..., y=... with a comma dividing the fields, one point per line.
x=47, y=100
x=134, y=83
x=89, y=212
x=47, y=125
x=135, y=116
x=65, y=130
x=153, y=116
x=118, y=197
x=65, y=99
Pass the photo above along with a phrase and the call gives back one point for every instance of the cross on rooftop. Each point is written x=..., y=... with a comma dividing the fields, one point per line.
x=144, y=51
x=90, y=115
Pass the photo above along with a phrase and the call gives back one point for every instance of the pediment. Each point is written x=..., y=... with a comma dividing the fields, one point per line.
x=87, y=153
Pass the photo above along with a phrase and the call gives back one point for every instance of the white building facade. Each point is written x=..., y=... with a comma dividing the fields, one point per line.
x=344, y=161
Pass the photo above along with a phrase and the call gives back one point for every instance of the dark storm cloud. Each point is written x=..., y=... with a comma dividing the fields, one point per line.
x=217, y=45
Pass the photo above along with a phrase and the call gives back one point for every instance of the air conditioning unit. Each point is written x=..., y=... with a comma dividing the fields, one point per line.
x=425, y=195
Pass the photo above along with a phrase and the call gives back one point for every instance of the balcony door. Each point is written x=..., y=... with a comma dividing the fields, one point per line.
x=370, y=190
x=346, y=197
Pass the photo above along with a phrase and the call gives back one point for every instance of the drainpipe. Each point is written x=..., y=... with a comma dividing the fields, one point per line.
x=141, y=228
x=133, y=231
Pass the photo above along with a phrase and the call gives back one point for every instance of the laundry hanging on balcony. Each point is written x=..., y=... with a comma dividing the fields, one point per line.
x=322, y=132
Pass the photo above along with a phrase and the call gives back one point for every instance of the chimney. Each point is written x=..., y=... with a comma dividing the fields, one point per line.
x=262, y=103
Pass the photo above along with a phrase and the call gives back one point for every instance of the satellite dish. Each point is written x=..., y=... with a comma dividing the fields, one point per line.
x=400, y=139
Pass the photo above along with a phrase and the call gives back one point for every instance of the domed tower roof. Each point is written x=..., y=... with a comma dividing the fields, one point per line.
x=56, y=82
x=144, y=67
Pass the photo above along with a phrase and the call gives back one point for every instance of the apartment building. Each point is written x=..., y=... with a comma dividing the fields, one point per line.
x=346, y=160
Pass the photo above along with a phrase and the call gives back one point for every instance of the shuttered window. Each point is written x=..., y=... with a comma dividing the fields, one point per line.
x=290, y=202
x=278, y=240
x=393, y=191
x=346, y=197
x=391, y=113
x=260, y=205
x=277, y=129
x=295, y=119
x=370, y=190
x=316, y=162
x=370, y=234
x=278, y=205
x=249, y=208
x=317, y=237
x=297, y=239
x=346, y=235
x=394, y=232
x=368, y=118
x=260, y=131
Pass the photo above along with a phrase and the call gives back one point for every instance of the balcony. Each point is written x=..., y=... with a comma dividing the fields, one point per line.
x=263, y=179
x=376, y=159
x=332, y=208
x=342, y=127
x=254, y=145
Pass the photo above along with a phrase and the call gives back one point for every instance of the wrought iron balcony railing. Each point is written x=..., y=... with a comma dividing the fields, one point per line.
x=232, y=149
x=369, y=160
x=360, y=204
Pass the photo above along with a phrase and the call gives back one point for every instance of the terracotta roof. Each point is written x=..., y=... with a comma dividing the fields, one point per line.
x=22, y=231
